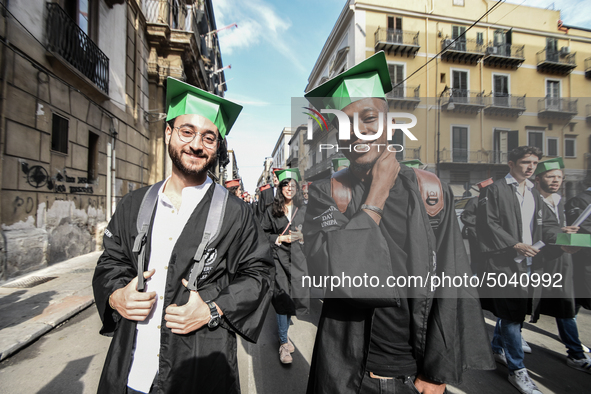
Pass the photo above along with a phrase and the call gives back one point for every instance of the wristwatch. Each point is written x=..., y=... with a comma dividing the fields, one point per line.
x=214, y=320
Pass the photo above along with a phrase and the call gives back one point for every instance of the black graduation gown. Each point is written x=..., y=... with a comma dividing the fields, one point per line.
x=290, y=264
x=582, y=259
x=239, y=282
x=266, y=198
x=447, y=331
x=553, y=300
x=468, y=217
x=498, y=226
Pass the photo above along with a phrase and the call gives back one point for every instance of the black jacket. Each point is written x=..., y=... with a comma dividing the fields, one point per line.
x=447, y=330
x=582, y=259
x=240, y=282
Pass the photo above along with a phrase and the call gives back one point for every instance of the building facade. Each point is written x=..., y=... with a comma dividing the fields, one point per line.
x=519, y=76
x=81, y=114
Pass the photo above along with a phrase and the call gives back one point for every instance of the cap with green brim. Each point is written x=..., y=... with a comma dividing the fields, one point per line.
x=415, y=163
x=340, y=162
x=581, y=240
x=549, y=165
x=185, y=99
x=289, y=173
x=370, y=78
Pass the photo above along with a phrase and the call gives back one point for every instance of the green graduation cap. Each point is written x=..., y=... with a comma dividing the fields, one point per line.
x=183, y=99
x=370, y=78
x=548, y=165
x=289, y=173
x=340, y=162
x=415, y=163
x=583, y=240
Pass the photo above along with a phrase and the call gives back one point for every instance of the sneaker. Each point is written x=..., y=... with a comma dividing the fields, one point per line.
x=585, y=348
x=583, y=364
x=284, y=355
x=290, y=346
x=525, y=346
x=500, y=358
x=520, y=379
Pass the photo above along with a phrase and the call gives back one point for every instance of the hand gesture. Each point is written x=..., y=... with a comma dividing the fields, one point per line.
x=525, y=250
x=189, y=317
x=296, y=235
x=133, y=304
x=570, y=229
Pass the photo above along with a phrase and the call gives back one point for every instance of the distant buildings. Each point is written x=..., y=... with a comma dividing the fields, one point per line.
x=520, y=76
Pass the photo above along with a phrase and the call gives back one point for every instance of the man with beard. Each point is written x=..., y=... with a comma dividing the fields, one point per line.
x=511, y=219
x=371, y=219
x=177, y=332
x=559, y=302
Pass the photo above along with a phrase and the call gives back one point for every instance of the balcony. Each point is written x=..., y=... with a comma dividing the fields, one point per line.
x=556, y=62
x=557, y=107
x=506, y=56
x=166, y=12
x=67, y=42
x=406, y=97
x=397, y=42
x=504, y=105
x=461, y=51
x=460, y=100
x=588, y=68
x=464, y=156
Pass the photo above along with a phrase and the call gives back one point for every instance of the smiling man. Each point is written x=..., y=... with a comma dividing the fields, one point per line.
x=176, y=332
x=372, y=219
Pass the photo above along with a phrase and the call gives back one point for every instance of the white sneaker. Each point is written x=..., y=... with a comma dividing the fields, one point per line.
x=525, y=346
x=585, y=348
x=500, y=358
x=520, y=379
x=284, y=355
x=582, y=364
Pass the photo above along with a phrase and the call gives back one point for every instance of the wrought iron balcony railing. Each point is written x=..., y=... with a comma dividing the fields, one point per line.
x=68, y=41
x=505, y=55
x=172, y=13
x=462, y=45
x=473, y=156
x=557, y=105
x=559, y=62
x=404, y=92
x=463, y=97
x=397, y=41
x=505, y=100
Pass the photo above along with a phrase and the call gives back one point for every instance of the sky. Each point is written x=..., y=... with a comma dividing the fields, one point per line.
x=272, y=53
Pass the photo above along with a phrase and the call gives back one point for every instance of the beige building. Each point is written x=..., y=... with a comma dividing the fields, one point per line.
x=81, y=114
x=519, y=76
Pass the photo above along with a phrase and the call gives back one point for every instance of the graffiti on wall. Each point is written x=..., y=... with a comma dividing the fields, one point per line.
x=38, y=177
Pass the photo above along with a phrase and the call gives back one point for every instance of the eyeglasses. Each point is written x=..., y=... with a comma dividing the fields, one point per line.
x=187, y=135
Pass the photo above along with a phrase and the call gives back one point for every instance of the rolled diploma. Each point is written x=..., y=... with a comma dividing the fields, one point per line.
x=538, y=245
x=582, y=216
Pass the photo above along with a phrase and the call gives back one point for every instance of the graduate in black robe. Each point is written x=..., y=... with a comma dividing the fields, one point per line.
x=267, y=195
x=283, y=223
x=197, y=350
x=416, y=335
x=582, y=259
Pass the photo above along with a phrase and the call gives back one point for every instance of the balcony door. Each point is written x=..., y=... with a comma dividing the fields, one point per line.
x=502, y=41
x=395, y=29
x=459, y=83
x=552, y=49
x=397, y=76
x=501, y=90
x=553, y=95
x=458, y=31
x=504, y=141
x=83, y=12
x=459, y=144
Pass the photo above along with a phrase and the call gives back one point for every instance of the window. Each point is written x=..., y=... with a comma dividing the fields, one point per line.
x=570, y=147
x=394, y=29
x=479, y=38
x=84, y=13
x=397, y=76
x=536, y=138
x=59, y=134
x=457, y=31
x=504, y=141
x=460, y=144
x=552, y=147
x=501, y=90
x=553, y=95
x=93, y=155
x=552, y=49
x=459, y=83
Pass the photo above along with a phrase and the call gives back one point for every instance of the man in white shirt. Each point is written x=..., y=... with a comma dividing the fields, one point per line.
x=510, y=220
x=168, y=338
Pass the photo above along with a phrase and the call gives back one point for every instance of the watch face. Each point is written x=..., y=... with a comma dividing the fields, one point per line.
x=214, y=322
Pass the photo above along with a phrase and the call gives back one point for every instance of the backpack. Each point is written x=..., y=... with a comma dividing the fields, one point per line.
x=429, y=187
x=210, y=233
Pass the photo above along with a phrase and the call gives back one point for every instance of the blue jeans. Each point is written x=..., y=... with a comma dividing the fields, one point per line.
x=283, y=325
x=507, y=339
x=569, y=335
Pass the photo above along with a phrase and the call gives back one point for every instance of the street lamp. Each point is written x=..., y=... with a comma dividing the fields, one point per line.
x=450, y=106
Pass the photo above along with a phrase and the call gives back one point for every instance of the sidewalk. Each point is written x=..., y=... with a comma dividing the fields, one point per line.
x=28, y=313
